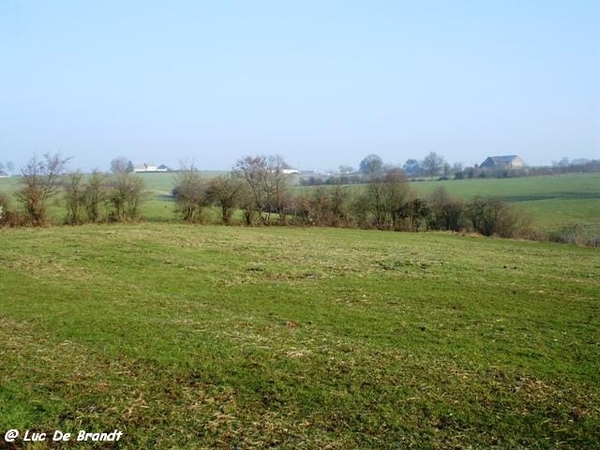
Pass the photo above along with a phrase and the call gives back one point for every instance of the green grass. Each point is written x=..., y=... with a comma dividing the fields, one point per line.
x=8, y=184
x=577, y=186
x=229, y=337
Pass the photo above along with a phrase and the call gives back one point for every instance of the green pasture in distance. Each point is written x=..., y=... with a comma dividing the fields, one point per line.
x=8, y=184
x=551, y=201
x=525, y=189
x=163, y=183
x=193, y=337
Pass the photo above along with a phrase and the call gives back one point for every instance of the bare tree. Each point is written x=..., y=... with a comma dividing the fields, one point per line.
x=125, y=194
x=38, y=184
x=411, y=167
x=376, y=198
x=387, y=198
x=433, y=164
x=371, y=165
x=121, y=165
x=396, y=191
x=267, y=185
x=254, y=171
x=190, y=193
x=338, y=201
x=75, y=198
x=95, y=195
x=225, y=192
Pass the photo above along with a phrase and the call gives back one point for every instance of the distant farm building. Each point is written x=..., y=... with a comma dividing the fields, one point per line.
x=4, y=174
x=141, y=168
x=289, y=170
x=503, y=162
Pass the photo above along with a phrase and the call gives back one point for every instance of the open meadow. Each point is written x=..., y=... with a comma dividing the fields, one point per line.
x=194, y=337
x=299, y=225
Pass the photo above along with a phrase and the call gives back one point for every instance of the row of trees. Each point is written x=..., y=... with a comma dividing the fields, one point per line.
x=432, y=165
x=95, y=198
x=388, y=203
x=9, y=166
x=372, y=166
x=259, y=187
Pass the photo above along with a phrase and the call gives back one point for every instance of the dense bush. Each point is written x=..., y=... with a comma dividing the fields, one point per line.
x=494, y=217
x=325, y=207
x=418, y=212
x=445, y=212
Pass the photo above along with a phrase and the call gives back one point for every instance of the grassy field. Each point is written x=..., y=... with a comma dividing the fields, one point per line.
x=216, y=337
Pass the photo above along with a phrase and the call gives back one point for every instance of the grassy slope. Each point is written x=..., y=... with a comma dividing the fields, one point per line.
x=194, y=337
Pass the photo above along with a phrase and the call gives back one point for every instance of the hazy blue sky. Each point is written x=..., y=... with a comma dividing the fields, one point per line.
x=322, y=83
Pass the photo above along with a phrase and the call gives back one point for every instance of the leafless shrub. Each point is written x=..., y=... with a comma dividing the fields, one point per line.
x=190, y=193
x=75, y=198
x=266, y=182
x=95, y=196
x=38, y=184
x=387, y=197
x=125, y=194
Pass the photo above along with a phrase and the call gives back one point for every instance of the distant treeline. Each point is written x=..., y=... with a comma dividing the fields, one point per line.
x=466, y=173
